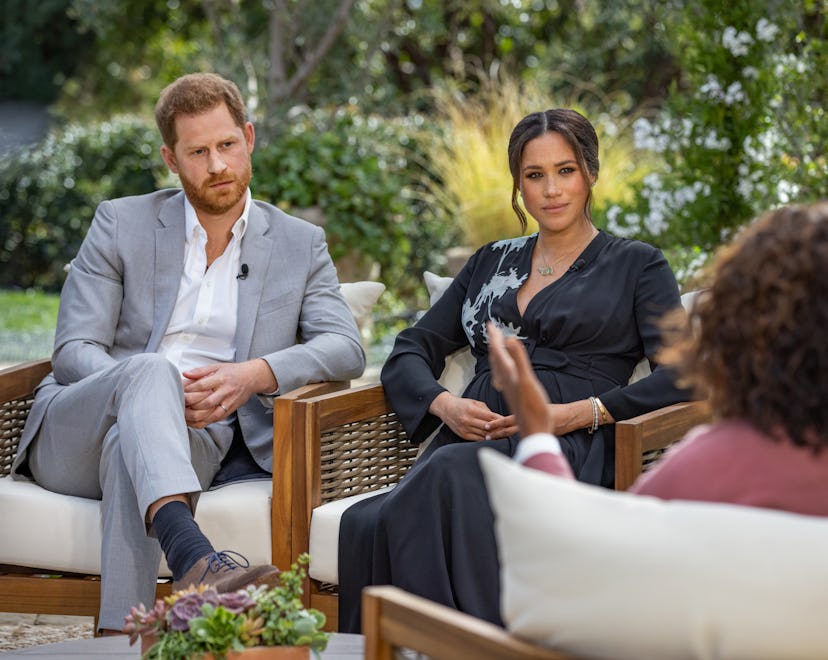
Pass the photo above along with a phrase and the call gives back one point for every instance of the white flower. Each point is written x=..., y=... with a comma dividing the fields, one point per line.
x=736, y=42
x=750, y=72
x=652, y=180
x=745, y=188
x=765, y=30
x=734, y=93
x=655, y=223
x=613, y=212
x=787, y=192
x=712, y=88
x=713, y=142
x=630, y=227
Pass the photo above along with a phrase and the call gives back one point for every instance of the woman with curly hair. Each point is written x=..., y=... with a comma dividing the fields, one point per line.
x=755, y=349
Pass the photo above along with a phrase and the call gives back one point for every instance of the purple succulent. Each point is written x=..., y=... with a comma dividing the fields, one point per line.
x=139, y=621
x=236, y=602
x=187, y=607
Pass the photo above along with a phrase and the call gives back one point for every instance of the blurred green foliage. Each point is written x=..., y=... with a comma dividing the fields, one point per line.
x=743, y=130
x=732, y=114
x=48, y=194
x=39, y=49
x=366, y=176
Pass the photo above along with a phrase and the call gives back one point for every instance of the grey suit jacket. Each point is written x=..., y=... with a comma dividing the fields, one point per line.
x=121, y=289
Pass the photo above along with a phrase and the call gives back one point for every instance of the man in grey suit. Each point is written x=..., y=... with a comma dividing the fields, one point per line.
x=178, y=323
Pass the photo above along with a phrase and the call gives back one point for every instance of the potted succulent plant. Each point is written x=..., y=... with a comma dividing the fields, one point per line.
x=258, y=622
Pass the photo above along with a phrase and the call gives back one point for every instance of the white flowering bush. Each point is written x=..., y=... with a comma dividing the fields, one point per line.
x=743, y=131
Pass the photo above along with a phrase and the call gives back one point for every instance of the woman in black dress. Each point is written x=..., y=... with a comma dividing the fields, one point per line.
x=586, y=306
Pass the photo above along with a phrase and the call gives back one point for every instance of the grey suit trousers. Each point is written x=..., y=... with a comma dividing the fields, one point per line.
x=119, y=435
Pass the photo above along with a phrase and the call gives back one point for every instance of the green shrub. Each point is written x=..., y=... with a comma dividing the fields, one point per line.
x=365, y=175
x=48, y=194
x=745, y=131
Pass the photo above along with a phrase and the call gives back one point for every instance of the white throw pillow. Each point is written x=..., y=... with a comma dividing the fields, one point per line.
x=459, y=368
x=361, y=298
x=605, y=574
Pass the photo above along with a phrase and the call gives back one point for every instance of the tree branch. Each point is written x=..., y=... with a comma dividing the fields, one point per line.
x=285, y=88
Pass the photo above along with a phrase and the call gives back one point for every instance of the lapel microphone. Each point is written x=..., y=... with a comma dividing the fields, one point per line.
x=243, y=274
x=574, y=268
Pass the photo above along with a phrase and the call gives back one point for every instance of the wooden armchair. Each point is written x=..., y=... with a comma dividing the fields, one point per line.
x=329, y=443
x=357, y=442
x=394, y=619
x=44, y=590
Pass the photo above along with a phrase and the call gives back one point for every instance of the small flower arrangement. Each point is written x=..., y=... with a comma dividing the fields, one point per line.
x=198, y=621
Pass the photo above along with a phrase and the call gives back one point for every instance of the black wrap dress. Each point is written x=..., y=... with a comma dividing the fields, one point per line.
x=585, y=332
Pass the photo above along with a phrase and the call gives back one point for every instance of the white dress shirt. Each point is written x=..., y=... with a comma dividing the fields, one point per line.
x=202, y=327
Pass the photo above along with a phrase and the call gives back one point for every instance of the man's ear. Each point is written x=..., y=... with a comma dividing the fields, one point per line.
x=169, y=158
x=249, y=136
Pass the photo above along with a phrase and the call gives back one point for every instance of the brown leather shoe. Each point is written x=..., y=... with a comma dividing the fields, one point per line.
x=225, y=573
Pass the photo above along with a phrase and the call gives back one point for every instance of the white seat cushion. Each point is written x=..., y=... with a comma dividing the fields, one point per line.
x=63, y=533
x=324, y=536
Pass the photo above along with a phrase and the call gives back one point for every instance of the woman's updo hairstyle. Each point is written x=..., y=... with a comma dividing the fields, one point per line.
x=575, y=129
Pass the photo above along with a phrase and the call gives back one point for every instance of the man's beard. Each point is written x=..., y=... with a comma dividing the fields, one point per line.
x=203, y=198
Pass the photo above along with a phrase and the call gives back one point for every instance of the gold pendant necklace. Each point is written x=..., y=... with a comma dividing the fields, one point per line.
x=546, y=270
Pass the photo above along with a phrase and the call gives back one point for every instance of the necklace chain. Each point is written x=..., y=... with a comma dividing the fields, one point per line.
x=546, y=270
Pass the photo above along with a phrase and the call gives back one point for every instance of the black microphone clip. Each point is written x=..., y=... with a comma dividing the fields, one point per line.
x=580, y=263
x=243, y=274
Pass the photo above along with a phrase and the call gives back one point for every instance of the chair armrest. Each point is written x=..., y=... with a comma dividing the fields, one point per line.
x=315, y=389
x=17, y=386
x=641, y=440
x=19, y=381
x=393, y=618
x=327, y=447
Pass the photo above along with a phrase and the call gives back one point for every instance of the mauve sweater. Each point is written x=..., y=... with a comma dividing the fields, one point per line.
x=729, y=461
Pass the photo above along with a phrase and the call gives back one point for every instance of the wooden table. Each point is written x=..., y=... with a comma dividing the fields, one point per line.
x=340, y=647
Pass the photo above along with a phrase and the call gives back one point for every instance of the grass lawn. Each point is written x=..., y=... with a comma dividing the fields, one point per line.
x=27, y=325
x=27, y=311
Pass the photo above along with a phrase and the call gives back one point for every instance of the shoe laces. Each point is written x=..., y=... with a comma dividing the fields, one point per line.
x=223, y=561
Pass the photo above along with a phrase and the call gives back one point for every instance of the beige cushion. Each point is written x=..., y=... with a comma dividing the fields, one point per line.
x=605, y=574
x=43, y=529
x=323, y=543
x=361, y=298
x=459, y=368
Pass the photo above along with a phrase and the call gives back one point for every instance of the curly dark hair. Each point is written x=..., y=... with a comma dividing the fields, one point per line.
x=575, y=129
x=757, y=349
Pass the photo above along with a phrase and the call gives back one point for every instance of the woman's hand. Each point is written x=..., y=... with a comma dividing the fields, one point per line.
x=471, y=419
x=514, y=377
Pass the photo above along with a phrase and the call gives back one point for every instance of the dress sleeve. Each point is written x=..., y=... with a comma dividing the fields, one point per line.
x=410, y=373
x=656, y=292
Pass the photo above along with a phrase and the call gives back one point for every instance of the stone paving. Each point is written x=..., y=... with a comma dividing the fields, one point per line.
x=19, y=631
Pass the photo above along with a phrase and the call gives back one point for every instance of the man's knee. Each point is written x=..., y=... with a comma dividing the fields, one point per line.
x=151, y=366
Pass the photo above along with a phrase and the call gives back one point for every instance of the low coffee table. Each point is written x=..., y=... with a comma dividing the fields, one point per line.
x=340, y=647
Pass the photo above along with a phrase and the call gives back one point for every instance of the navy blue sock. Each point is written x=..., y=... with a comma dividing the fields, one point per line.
x=181, y=539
